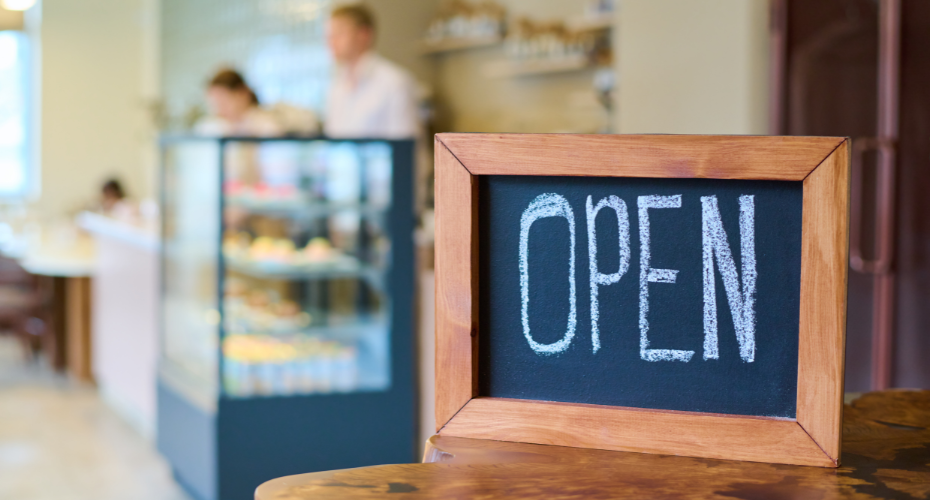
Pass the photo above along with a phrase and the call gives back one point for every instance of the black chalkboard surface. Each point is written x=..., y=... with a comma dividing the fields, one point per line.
x=663, y=357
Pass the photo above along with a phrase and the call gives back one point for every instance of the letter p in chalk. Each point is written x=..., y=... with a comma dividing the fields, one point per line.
x=598, y=278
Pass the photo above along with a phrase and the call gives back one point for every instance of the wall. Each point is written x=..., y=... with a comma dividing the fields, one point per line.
x=92, y=119
x=278, y=45
x=401, y=24
x=693, y=67
x=471, y=101
x=10, y=19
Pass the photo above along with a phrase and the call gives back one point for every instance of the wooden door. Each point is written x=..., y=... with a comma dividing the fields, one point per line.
x=861, y=68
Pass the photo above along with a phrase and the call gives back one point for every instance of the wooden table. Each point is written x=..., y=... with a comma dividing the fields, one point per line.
x=68, y=272
x=886, y=454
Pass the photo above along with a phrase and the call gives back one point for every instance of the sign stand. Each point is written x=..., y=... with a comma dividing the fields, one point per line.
x=821, y=163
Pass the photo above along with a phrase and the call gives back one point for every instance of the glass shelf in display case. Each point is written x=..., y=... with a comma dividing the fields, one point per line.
x=288, y=279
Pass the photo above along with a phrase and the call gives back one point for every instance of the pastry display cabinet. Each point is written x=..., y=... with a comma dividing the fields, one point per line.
x=287, y=305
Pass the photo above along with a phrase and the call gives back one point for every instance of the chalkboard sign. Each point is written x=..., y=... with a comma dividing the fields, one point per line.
x=664, y=294
x=675, y=294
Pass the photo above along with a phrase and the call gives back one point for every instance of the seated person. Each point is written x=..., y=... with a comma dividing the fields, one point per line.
x=111, y=194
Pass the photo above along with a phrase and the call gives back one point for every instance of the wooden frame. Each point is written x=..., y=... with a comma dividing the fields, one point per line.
x=822, y=163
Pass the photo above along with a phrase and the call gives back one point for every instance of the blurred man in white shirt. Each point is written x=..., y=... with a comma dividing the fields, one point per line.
x=370, y=97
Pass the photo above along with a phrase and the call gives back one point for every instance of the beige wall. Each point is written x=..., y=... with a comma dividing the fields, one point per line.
x=684, y=67
x=471, y=101
x=693, y=67
x=92, y=121
x=401, y=24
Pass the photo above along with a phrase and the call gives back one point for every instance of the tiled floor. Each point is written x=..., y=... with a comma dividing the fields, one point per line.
x=58, y=441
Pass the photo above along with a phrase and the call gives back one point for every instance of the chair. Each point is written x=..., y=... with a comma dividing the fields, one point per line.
x=22, y=307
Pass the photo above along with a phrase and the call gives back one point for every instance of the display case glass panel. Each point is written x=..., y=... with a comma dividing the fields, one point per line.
x=191, y=318
x=288, y=278
x=305, y=252
x=277, y=263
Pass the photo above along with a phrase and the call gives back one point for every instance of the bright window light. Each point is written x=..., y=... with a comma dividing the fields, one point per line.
x=17, y=4
x=14, y=98
x=9, y=52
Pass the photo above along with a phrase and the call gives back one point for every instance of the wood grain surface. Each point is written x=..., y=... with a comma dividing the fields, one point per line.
x=78, y=339
x=658, y=156
x=456, y=286
x=886, y=454
x=639, y=430
x=822, y=341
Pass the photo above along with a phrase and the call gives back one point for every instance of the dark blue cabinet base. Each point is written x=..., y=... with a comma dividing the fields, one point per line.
x=249, y=441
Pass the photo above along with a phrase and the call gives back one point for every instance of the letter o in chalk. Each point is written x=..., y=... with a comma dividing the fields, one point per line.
x=546, y=205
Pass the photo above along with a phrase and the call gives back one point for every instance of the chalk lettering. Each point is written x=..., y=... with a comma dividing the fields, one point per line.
x=742, y=303
x=649, y=275
x=546, y=205
x=597, y=278
x=715, y=246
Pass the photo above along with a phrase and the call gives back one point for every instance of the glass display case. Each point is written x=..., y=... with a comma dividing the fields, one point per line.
x=287, y=307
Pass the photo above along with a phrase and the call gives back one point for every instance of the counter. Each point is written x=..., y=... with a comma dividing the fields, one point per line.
x=125, y=316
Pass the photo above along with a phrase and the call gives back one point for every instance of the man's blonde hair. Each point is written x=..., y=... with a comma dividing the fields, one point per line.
x=358, y=13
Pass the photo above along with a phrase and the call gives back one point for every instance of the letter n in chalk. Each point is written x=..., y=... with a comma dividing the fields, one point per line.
x=742, y=302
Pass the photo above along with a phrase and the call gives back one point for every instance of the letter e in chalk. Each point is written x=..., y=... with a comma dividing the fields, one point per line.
x=649, y=275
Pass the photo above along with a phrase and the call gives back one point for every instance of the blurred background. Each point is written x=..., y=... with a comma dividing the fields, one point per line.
x=216, y=236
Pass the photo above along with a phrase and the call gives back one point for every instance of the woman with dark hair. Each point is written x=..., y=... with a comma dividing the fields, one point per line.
x=111, y=194
x=235, y=109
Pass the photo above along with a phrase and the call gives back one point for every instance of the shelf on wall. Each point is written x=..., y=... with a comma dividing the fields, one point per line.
x=601, y=22
x=454, y=44
x=504, y=69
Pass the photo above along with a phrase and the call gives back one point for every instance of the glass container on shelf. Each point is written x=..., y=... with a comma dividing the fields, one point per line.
x=305, y=253
x=288, y=276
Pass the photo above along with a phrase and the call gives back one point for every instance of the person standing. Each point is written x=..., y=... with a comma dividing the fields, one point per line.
x=234, y=109
x=370, y=97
